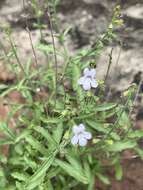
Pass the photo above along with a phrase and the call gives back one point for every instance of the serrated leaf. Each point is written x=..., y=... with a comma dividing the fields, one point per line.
x=97, y=126
x=100, y=128
x=45, y=48
x=30, y=163
x=45, y=134
x=51, y=120
x=20, y=176
x=120, y=146
x=105, y=107
x=36, y=144
x=7, y=131
x=38, y=176
x=58, y=132
x=136, y=134
x=68, y=168
x=75, y=163
x=23, y=134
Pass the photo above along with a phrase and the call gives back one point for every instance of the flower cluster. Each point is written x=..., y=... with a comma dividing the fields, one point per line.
x=88, y=80
x=81, y=136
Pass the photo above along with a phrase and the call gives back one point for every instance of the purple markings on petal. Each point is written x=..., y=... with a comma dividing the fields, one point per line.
x=92, y=73
x=78, y=129
x=87, y=135
x=88, y=81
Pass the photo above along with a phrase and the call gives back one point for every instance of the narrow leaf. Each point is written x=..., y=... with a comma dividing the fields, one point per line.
x=72, y=171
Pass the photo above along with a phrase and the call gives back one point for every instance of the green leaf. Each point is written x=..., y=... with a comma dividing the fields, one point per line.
x=20, y=176
x=49, y=186
x=4, y=127
x=136, y=134
x=124, y=119
x=120, y=146
x=97, y=126
x=19, y=186
x=36, y=145
x=30, y=163
x=3, y=86
x=58, y=132
x=74, y=162
x=139, y=152
x=45, y=134
x=118, y=171
x=51, y=120
x=53, y=172
x=38, y=176
x=75, y=76
x=8, y=91
x=105, y=107
x=103, y=178
x=72, y=171
x=89, y=175
x=5, y=141
x=45, y=48
x=76, y=87
x=27, y=66
x=100, y=127
x=23, y=134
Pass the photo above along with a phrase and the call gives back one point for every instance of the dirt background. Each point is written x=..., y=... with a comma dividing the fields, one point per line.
x=88, y=20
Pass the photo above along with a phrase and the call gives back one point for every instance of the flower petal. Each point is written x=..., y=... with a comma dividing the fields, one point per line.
x=94, y=83
x=87, y=135
x=86, y=84
x=86, y=72
x=78, y=129
x=92, y=73
x=81, y=127
x=74, y=140
x=82, y=142
x=81, y=80
x=75, y=129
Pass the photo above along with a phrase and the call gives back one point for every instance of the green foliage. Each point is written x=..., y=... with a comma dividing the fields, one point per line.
x=41, y=156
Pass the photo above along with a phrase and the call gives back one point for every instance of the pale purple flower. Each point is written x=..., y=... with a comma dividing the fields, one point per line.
x=88, y=80
x=81, y=136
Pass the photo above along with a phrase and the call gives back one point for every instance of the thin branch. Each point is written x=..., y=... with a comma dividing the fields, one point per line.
x=54, y=54
x=16, y=56
x=109, y=65
x=33, y=50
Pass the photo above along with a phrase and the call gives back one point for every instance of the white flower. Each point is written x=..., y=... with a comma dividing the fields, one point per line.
x=81, y=136
x=88, y=81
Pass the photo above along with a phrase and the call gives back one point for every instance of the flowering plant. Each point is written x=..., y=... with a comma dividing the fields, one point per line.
x=64, y=131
